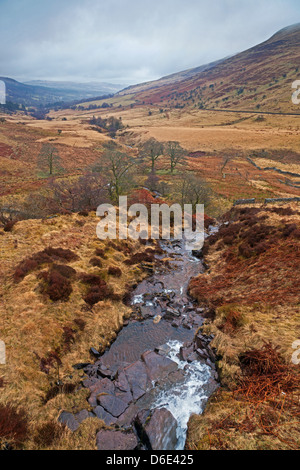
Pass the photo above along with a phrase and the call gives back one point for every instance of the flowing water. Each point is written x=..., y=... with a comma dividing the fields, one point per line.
x=165, y=317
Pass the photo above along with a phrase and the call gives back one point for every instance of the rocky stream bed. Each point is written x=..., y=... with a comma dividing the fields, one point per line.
x=159, y=370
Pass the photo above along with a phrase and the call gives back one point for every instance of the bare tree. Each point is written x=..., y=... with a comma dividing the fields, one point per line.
x=49, y=161
x=193, y=190
x=86, y=193
x=152, y=150
x=117, y=167
x=176, y=154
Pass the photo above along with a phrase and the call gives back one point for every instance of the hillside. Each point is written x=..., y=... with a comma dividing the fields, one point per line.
x=258, y=79
x=38, y=92
x=252, y=290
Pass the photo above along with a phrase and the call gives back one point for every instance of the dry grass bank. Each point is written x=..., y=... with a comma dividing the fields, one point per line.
x=61, y=294
x=252, y=286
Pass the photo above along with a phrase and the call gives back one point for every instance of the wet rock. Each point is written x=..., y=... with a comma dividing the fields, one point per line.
x=137, y=377
x=186, y=351
x=157, y=366
x=163, y=350
x=177, y=323
x=116, y=440
x=157, y=431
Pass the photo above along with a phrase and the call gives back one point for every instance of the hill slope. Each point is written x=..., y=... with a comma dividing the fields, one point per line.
x=41, y=93
x=259, y=79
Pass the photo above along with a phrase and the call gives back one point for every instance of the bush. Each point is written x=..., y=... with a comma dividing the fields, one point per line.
x=114, y=271
x=139, y=258
x=96, y=262
x=43, y=257
x=13, y=425
x=58, y=287
x=101, y=253
x=48, y=433
x=65, y=271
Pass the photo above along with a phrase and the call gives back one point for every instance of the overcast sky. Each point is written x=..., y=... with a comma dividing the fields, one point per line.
x=130, y=41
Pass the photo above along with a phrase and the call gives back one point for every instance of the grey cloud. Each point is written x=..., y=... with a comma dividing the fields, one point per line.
x=130, y=41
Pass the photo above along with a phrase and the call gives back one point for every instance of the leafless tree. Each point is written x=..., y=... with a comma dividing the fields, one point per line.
x=49, y=161
x=193, y=189
x=117, y=167
x=152, y=150
x=175, y=153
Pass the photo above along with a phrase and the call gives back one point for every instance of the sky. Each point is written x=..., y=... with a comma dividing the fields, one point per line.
x=130, y=41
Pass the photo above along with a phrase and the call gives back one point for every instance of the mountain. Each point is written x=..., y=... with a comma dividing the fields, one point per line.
x=258, y=79
x=83, y=90
x=39, y=92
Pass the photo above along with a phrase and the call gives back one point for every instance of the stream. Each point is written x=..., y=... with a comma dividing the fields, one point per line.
x=160, y=370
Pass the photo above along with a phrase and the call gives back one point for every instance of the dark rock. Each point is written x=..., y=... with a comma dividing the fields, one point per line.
x=158, y=366
x=163, y=350
x=185, y=352
x=69, y=420
x=81, y=366
x=88, y=383
x=193, y=357
x=105, y=416
x=113, y=404
x=176, y=323
x=94, y=352
x=157, y=431
x=138, y=380
x=116, y=440
x=103, y=386
x=82, y=416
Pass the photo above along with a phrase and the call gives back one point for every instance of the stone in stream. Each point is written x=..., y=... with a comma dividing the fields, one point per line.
x=158, y=366
x=163, y=350
x=116, y=440
x=138, y=380
x=157, y=430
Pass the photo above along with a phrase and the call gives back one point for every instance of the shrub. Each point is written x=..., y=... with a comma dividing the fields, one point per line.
x=139, y=258
x=96, y=262
x=58, y=287
x=13, y=425
x=68, y=337
x=67, y=255
x=48, y=433
x=100, y=252
x=65, y=271
x=42, y=257
x=114, y=271
x=1, y=382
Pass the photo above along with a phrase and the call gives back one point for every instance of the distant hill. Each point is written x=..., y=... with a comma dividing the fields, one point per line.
x=40, y=92
x=258, y=79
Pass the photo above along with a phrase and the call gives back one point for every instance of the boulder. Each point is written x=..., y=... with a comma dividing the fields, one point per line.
x=158, y=366
x=157, y=431
x=116, y=440
x=113, y=404
x=108, y=419
x=138, y=380
x=69, y=420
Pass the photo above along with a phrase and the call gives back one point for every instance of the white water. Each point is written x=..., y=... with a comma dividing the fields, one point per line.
x=186, y=398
